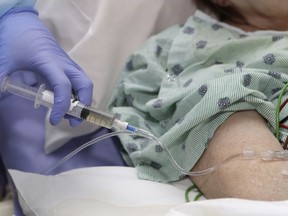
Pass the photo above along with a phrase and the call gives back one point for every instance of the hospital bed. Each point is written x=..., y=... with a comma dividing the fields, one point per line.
x=113, y=190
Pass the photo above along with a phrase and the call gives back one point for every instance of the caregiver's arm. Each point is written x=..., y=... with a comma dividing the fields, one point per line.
x=250, y=179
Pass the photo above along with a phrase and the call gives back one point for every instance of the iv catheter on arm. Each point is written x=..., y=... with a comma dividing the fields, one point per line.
x=44, y=97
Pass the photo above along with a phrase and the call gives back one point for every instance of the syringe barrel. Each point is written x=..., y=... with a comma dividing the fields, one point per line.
x=95, y=116
x=79, y=110
x=44, y=97
x=19, y=89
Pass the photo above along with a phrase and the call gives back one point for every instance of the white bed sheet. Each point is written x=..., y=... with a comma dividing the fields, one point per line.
x=228, y=207
x=6, y=207
x=112, y=191
x=103, y=190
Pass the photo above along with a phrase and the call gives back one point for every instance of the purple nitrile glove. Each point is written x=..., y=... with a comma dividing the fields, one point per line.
x=26, y=44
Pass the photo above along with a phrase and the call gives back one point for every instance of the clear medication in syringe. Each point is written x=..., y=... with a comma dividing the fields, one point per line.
x=41, y=96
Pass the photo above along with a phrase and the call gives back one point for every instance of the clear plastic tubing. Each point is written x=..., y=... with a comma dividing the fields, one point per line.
x=244, y=155
x=77, y=109
x=44, y=97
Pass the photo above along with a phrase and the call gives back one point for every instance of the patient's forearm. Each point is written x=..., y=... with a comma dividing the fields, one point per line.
x=251, y=179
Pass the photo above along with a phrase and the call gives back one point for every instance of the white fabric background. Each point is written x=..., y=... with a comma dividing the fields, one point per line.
x=107, y=191
x=100, y=35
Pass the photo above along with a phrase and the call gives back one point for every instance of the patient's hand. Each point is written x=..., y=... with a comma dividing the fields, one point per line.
x=250, y=179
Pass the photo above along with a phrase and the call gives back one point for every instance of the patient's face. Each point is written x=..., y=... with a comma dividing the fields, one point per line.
x=266, y=7
x=260, y=14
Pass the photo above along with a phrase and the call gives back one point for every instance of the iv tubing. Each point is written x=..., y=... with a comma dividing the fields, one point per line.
x=82, y=147
x=146, y=134
x=246, y=155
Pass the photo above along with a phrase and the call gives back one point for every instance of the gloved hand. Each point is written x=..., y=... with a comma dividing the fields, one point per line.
x=26, y=44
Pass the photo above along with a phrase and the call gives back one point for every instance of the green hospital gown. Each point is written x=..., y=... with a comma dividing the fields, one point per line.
x=186, y=81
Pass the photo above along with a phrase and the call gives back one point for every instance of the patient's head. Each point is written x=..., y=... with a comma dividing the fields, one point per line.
x=250, y=15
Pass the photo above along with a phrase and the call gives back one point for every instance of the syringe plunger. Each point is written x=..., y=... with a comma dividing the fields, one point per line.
x=44, y=97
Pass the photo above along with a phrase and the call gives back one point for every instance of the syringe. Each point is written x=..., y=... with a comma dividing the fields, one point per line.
x=44, y=97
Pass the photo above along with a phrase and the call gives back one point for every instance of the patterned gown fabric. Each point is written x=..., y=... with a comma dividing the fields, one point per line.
x=187, y=81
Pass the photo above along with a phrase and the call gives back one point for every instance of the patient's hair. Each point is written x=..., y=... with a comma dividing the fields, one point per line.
x=222, y=13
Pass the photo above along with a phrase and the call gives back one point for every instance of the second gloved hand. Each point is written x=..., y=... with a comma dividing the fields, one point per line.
x=26, y=44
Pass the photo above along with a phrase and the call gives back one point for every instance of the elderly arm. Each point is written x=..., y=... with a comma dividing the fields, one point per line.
x=249, y=179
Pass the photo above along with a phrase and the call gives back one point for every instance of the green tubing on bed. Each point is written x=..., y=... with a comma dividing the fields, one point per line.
x=189, y=189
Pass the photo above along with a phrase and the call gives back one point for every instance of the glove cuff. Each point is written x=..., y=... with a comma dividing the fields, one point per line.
x=15, y=10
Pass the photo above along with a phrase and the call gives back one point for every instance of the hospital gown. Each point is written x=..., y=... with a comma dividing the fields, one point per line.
x=186, y=81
